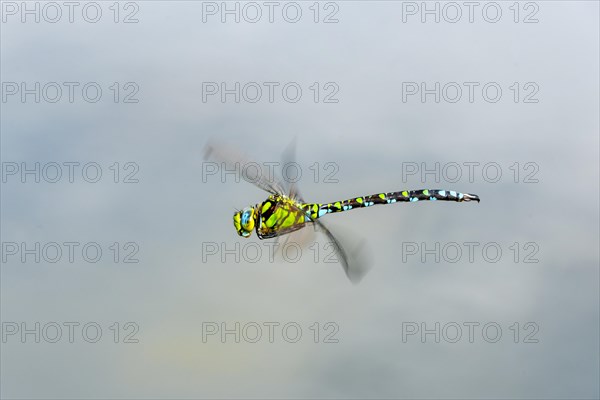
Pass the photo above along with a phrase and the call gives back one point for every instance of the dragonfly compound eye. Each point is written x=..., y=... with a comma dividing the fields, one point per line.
x=247, y=219
x=243, y=221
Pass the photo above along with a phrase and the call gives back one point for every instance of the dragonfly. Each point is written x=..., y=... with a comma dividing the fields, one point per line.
x=285, y=211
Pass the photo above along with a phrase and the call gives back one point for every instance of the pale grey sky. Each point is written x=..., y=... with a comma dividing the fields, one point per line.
x=172, y=216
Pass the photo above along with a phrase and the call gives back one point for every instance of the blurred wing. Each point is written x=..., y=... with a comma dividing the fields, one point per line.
x=354, y=258
x=301, y=238
x=250, y=171
x=289, y=157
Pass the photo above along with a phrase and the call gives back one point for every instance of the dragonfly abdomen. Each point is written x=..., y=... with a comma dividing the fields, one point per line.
x=318, y=210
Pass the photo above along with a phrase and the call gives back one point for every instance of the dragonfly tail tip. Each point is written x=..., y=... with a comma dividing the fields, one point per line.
x=471, y=197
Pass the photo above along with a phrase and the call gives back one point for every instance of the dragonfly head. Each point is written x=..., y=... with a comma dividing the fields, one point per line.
x=244, y=221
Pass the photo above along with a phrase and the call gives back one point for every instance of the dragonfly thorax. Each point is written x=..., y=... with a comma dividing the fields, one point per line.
x=244, y=221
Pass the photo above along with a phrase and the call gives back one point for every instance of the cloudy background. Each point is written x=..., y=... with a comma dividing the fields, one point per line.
x=174, y=213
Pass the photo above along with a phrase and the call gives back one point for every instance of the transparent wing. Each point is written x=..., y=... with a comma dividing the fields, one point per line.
x=241, y=165
x=354, y=258
x=302, y=238
x=351, y=249
x=289, y=185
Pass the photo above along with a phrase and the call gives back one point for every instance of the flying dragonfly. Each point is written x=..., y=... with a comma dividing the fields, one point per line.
x=284, y=211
